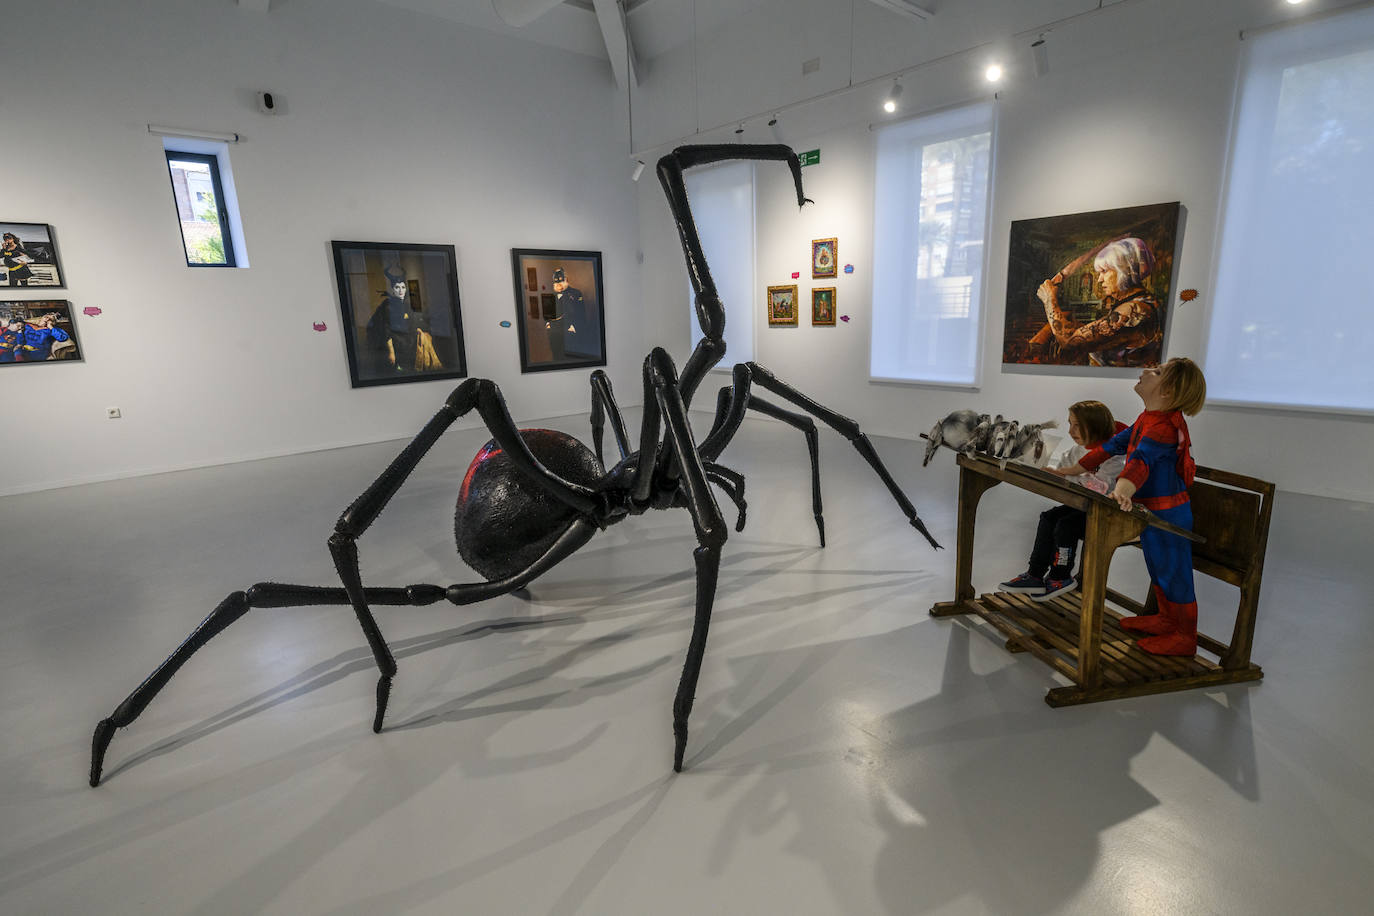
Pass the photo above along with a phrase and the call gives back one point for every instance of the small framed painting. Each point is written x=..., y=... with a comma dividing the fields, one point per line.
x=825, y=258
x=567, y=329
x=782, y=306
x=823, y=307
x=37, y=331
x=401, y=315
x=28, y=257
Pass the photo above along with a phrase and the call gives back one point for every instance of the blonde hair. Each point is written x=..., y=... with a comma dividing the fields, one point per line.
x=1183, y=384
x=1094, y=420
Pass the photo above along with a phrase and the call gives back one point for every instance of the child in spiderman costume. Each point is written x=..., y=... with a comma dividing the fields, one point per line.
x=1159, y=469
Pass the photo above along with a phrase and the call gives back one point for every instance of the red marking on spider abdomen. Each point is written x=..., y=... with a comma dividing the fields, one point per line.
x=505, y=519
x=493, y=450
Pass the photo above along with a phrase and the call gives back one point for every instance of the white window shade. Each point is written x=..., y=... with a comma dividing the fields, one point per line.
x=930, y=222
x=722, y=199
x=1292, y=318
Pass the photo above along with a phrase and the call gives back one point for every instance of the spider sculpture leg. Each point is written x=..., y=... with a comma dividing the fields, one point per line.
x=731, y=484
x=802, y=422
x=748, y=374
x=603, y=404
x=357, y=518
x=665, y=404
x=262, y=595
x=479, y=393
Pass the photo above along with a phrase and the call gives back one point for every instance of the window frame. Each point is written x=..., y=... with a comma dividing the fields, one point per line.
x=985, y=260
x=221, y=205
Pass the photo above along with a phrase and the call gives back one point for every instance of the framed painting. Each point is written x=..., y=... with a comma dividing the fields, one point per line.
x=782, y=306
x=1091, y=289
x=568, y=329
x=823, y=307
x=402, y=319
x=37, y=331
x=28, y=257
x=825, y=258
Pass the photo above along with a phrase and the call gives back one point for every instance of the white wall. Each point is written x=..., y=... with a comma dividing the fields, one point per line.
x=1135, y=110
x=397, y=127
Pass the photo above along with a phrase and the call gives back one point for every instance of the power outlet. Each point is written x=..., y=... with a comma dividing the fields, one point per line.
x=113, y=413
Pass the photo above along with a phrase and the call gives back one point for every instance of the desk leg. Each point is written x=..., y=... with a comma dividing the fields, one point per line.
x=1107, y=530
x=972, y=486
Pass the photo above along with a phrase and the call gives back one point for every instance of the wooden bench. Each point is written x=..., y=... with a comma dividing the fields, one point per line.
x=1077, y=633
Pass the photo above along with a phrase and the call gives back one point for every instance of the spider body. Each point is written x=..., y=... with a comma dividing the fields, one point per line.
x=532, y=497
x=503, y=522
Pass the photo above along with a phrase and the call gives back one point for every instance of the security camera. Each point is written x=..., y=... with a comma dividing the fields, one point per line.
x=269, y=103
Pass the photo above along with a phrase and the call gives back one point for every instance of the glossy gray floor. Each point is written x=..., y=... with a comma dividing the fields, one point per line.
x=849, y=754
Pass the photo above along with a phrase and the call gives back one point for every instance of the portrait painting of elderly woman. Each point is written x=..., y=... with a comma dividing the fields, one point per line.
x=1091, y=289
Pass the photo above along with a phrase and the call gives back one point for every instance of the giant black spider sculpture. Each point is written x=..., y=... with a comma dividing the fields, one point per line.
x=533, y=496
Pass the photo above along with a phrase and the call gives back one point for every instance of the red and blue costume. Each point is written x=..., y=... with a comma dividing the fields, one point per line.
x=1160, y=464
x=35, y=344
x=9, y=340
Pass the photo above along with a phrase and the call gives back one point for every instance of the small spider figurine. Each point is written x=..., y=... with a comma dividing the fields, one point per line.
x=532, y=497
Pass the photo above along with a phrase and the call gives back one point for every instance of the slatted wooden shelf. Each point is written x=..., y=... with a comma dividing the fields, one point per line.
x=1049, y=630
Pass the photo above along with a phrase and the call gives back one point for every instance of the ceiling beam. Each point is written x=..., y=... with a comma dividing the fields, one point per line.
x=610, y=15
x=906, y=8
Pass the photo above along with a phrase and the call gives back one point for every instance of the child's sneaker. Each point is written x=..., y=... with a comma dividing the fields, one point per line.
x=1055, y=587
x=1023, y=584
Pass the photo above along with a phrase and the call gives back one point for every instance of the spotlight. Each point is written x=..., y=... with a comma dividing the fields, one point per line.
x=993, y=72
x=740, y=129
x=639, y=170
x=773, y=121
x=891, y=104
x=1294, y=2
x=1041, y=53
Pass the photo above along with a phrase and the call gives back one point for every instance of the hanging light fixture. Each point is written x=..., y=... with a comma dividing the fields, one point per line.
x=891, y=104
x=1041, y=54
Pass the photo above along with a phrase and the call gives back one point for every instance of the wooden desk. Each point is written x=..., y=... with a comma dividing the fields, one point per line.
x=1076, y=633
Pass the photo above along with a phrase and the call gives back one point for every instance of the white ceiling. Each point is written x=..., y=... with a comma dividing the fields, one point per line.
x=655, y=25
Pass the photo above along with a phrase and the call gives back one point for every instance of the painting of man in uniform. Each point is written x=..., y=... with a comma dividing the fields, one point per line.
x=1091, y=289
x=402, y=320
x=28, y=256
x=567, y=329
x=37, y=331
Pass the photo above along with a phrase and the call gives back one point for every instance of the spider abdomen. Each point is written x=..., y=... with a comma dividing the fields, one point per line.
x=504, y=521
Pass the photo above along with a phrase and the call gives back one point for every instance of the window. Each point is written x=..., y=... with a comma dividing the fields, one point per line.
x=722, y=200
x=1291, y=322
x=199, y=196
x=930, y=219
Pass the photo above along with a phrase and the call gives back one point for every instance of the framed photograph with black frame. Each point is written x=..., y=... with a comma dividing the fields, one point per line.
x=402, y=320
x=28, y=257
x=568, y=329
x=37, y=331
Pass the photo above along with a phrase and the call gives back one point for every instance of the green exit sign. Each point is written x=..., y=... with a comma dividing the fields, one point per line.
x=810, y=157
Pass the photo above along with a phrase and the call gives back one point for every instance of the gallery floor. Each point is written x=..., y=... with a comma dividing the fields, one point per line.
x=848, y=754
